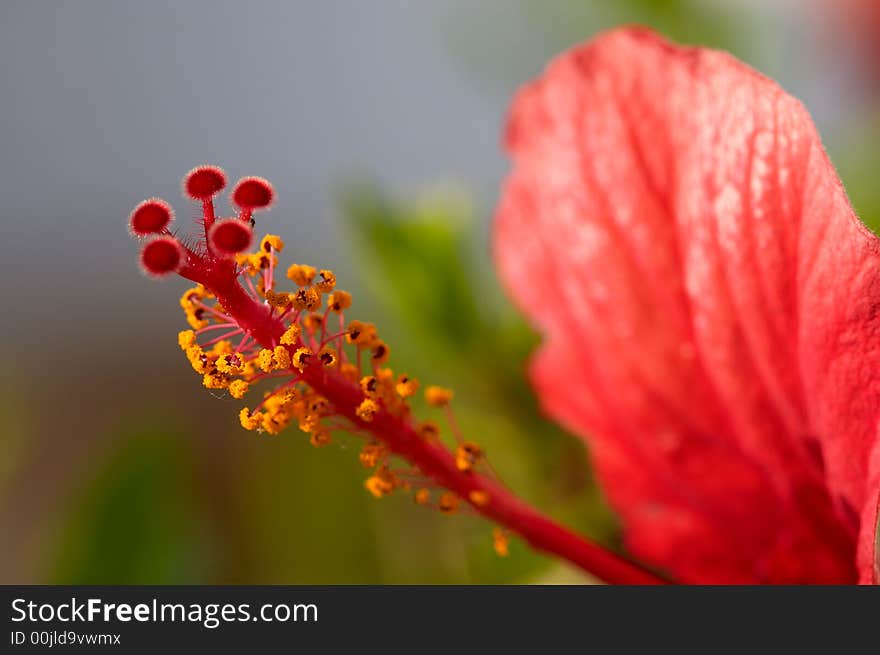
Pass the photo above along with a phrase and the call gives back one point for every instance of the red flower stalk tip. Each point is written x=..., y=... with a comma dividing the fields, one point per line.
x=710, y=306
x=327, y=375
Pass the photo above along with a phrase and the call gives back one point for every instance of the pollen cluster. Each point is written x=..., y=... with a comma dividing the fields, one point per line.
x=283, y=342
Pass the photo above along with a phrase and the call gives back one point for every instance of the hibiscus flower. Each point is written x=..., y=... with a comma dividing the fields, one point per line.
x=709, y=305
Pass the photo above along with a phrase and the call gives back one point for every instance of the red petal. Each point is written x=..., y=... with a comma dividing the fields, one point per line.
x=709, y=303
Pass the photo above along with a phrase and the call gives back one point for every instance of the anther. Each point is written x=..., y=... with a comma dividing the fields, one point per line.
x=406, y=386
x=249, y=421
x=370, y=386
x=238, y=388
x=320, y=438
x=306, y=299
x=448, y=502
x=339, y=301
x=271, y=242
x=500, y=542
x=360, y=333
x=382, y=483
x=438, y=396
x=371, y=453
x=282, y=357
x=327, y=281
x=328, y=356
x=479, y=498
x=467, y=455
x=301, y=358
x=266, y=360
x=290, y=335
x=367, y=410
x=186, y=339
x=381, y=352
x=301, y=274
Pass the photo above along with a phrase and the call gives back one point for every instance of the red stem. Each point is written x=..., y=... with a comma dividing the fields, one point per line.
x=432, y=458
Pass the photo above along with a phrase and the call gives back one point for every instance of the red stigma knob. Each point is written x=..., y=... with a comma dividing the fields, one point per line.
x=253, y=193
x=204, y=182
x=161, y=256
x=150, y=217
x=230, y=236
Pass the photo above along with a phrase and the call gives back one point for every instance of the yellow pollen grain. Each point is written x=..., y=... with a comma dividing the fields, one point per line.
x=328, y=356
x=307, y=299
x=248, y=421
x=448, y=503
x=479, y=498
x=301, y=358
x=326, y=281
x=382, y=483
x=266, y=360
x=381, y=352
x=280, y=300
x=197, y=359
x=274, y=423
x=301, y=274
x=406, y=386
x=222, y=348
x=367, y=410
x=370, y=386
x=194, y=318
x=422, y=496
x=238, y=388
x=291, y=335
x=361, y=334
x=438, y=396
x=339, y=301
x=500, y=543
x=230, y=364
x=282, y=357
x=186, y=339
x=271, y=241
x=214, y=381
x=467, y=455
x=370, y=454
x=309, y=422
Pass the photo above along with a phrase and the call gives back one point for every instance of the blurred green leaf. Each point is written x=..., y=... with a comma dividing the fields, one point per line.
x=135, y=521
x=418, y=252
x=450, y=324
x=308, y=518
